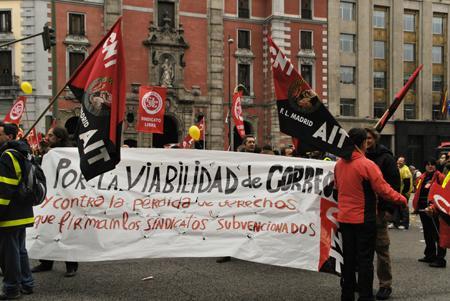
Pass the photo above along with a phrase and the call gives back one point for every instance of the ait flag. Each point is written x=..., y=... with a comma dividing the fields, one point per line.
x=99, y=84
x=16, y=112
x=188, y=140
x=301, y=113
x=152, y=106
x=397, y=100
x=236, y=112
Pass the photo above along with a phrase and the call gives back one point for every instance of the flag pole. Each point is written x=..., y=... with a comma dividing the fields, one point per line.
x=74, y=74
x=45, y=111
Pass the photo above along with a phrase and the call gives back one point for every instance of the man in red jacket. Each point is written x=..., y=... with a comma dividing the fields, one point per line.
x=358, y=182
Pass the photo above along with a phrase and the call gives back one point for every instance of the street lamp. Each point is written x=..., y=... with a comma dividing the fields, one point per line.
x=230, y=134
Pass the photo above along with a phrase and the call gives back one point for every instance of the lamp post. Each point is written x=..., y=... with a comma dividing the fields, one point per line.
x=230, y=133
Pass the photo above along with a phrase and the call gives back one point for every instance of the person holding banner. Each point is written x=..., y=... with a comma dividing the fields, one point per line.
x=15, y=217
x=385, y=160
x=57, y=137
x=434, y=254
x=358, y=181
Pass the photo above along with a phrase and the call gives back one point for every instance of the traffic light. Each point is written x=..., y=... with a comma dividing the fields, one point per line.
x=48, y=37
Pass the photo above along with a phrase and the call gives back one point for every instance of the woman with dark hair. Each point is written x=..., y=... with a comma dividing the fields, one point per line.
x=434, y=254
x=58, y=137
x=358, y=182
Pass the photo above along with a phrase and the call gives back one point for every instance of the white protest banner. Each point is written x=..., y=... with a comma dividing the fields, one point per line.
x=189, y=203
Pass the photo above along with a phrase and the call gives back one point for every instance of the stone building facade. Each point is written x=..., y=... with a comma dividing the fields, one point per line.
x=26, y=60
x=381, y=42
x=184, y=45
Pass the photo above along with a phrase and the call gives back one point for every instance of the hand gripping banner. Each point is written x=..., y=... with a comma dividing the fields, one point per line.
x=300, y=111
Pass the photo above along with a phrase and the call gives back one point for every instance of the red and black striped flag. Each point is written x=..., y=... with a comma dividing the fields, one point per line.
x=99, y=84
x=301, y=113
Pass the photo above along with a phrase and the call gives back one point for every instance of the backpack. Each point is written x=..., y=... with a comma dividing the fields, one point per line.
x=32, y=188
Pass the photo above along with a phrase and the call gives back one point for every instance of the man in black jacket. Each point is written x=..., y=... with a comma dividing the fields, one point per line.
x=385, y=160
x=14, y=217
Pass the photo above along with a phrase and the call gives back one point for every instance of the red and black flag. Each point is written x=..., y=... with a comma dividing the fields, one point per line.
x=301, y=113
x=99, y=84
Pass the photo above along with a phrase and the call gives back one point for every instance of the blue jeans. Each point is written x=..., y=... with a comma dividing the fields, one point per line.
x=14, y=261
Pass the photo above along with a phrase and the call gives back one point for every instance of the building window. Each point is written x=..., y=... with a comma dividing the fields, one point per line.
x=306, y=9
x=347, y=42
x=347, y=11
x=166, y=13
x=379, y=19
x=378, y=109
x=378, y=49
x=5, y=68
x=409, y=22
x=75, y=60
x=347, y=75
x=244, y=9
x=438, y=25
x=306, y=72
x=244, y=77
x=244, y=39
x=306, y=40
x=5, y=21
x=438, y=83
x=379, y=80
x=437, y=54
x=409, y=111
x=347, y=107
x=408, y=52
x=76, y=24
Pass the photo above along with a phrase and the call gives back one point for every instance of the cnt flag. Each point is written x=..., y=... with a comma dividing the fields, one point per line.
x=301, y=113
x=152, y=106
x=236, y=112
x=16, y=112
x=99, y=84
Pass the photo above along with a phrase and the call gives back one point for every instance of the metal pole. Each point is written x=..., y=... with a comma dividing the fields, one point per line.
x=230, y=133
x=21, y=39
x=54, y=66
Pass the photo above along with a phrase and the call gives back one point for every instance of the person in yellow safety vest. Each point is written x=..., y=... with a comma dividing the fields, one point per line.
x=401, y=215
x=14, y=218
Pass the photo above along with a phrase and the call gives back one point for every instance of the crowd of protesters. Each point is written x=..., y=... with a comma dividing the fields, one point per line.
x=373, y=189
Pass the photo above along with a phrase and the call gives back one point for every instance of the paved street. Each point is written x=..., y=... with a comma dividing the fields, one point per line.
x=204, y=279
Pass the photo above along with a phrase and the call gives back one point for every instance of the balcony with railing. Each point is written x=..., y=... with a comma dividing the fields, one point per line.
x=9, y=86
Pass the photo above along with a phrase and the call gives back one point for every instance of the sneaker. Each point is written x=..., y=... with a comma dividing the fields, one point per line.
x=401, y=227
x=4, y=296
x=26, y=290
x=440, y=263
x=41, y=268
x=70, y=273
x=223, y=259
x=384, y=293
x=391, y=226
x=426, y=259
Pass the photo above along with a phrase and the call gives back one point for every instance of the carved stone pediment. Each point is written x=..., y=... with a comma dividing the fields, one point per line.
x=306, y=56
x=244, y=56
x=77, y=40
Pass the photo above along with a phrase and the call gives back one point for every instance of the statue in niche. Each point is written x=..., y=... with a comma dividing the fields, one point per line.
x=167, y=74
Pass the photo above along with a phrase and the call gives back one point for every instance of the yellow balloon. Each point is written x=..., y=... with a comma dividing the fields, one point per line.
x=194, y=132
x=26, y=87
